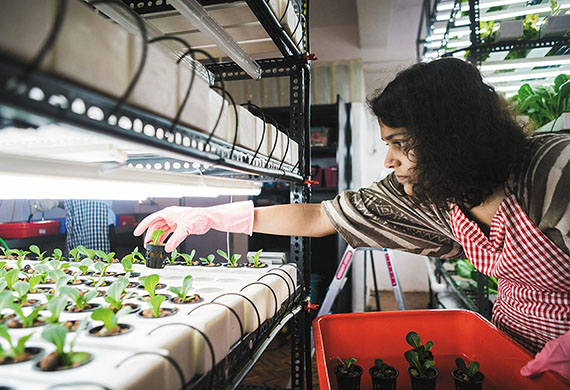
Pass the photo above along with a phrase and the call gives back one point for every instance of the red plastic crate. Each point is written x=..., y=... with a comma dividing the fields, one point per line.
x=456, y=333
x=127, y=220
x=28, y=229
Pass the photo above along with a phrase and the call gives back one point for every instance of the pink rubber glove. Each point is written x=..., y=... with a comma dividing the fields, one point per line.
x=555, y=356
x=182, y=221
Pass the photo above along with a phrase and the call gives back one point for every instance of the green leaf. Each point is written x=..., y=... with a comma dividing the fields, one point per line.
x=150, y=283
x=559, y=80
x=413, y=339
x=34, y=281
x=11, y=277
x=127, y=264
x=186, y=285
x=176, y=291
x=21, y=344
x=107, y=316
x=5, y=334
x=22, y=288
x=57, y=254
x=155, y=303
x=429, y=345
x=72, y=293
x=562, y=98
x=223, y=254
x=156, y=236
x=460, y=363
x=35, y=249
x=56, y=306
x=429, y=364
x=473, y=368
x=55, y=334
x=6, y=298
x=79, y=357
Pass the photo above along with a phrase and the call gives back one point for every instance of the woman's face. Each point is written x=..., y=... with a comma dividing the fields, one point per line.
x=396, y=157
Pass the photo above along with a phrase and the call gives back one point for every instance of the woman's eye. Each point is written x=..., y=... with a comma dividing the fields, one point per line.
x=400, y=144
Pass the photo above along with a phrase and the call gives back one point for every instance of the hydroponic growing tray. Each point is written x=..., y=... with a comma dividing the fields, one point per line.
x=455, y=333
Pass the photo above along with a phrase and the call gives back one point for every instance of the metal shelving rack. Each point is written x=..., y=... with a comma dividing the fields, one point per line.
x=19, y=109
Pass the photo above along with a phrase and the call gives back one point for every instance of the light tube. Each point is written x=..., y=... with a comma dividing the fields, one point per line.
x=196, y=14
x=521, y=76
x=525, y=63
x=37, y=178
x=482, y=5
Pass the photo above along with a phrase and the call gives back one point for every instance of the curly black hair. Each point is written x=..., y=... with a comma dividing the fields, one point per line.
x=464, y=137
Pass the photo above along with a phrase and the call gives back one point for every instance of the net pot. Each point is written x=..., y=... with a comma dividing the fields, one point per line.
x=351, y=380
x=461, y=384
x=424, y=382
x=155, y=256
x=381, y=382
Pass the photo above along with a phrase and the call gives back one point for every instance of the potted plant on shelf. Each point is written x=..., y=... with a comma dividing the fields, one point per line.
x=111, y=326
x=209, y=261
x=555, y=24
x=116, y=299
x=150, y=284
x=60, y=359
x=423, y=374
x=182, y=292
x=383, y=376
x=155, y=253
x=17, y=352
x=80, y=299
x=467, y=378
x=348, y=374
x=255, y=263
x=232, y=261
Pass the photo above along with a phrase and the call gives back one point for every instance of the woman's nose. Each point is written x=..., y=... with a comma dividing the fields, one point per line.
x=389, y=161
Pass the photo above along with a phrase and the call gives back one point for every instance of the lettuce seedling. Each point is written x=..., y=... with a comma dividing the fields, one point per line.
x=2, y=268
x=182, y=292
x=155, y=303
x=80, y=300
x=58, y=265
x=36, y=250
x=3, y=284
x=26, y=320
x=255, y=259
x=208, y=260
x=57, y=254
x=34, y=281
x=420, y=357
x=346, y=364
x=21, y=289
x=156, y=236
x=55, y=306
x=135, y=256
x=83, y=265
x=6, y=299
x=56, y=335
x=15, y=350
x=86, y=252
x=188, y=257
x=106, y=257
x=11, y=278
x=21, y=254
x=42, y=271
x=56, y=275
x=101, y=268
x=74, y=253
x=383, y=369
x=109, y=318
x=150, y=283
x=232, y=260
x=127, y=264
x=471, y=373
x=113, y=295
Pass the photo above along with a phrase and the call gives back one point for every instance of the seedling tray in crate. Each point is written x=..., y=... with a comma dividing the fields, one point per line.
x=456, y=333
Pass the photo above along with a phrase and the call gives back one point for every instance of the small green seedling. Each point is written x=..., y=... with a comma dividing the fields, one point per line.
x=135, y=256
x=80, y=300
x=86, y=252
x=11, y=278
x=106, y=257
x=57, y=254
x=188, y=257
x=29, y=320
x=156, y=236
x=83, y=266
x=21, y=289
x=208, y=260
x=232, y=260
x=127, y=264
x=74, y=253
x=155, y=303
x=183, y=291
x=113, y=295
x=56, y=335
x=55, y=306
x=255, y=259
x=36, y=250
x=59, y=265
x=346, y=364
x=109, y=318
x=3, y=269
x=42, y=271
x=471, y=373
x=101, y=269
x=383, y=369
x=16, y=348
x=6, y=299
x=150, y=283
x=21, y=254
x=34, y=281
x=420, y=357
x=173, y=256
x=56, y=275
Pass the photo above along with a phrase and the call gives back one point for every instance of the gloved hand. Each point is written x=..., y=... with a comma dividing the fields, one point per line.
x=182, y=221
x=555, y=356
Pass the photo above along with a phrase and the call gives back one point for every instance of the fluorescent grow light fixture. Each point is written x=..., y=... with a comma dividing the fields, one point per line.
x=36, y=178
x=525, y=63
x=521, y=76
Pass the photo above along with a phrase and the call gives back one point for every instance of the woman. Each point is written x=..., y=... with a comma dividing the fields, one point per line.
x=467, y=182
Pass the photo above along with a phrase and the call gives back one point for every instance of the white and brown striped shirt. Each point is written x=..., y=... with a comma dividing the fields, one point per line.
x=382, y=215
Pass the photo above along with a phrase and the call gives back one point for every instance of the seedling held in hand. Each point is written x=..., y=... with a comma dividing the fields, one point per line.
x=232, y=260
x=109, y=318
x=156, y=236
x=346, y=364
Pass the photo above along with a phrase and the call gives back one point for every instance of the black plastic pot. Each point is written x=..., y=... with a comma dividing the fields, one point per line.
x=155, y=256
x=381, y=382
x=350, y=381
x=423, y=382
x=460, y=384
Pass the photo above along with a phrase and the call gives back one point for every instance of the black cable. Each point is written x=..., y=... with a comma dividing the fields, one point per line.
x=286, y=148
x=226, y=93
x=249, y=106
x=186, y=44
x=285, y=12
x=275, y=142
x=142, y=61
x=50, y=40
x=298, y=23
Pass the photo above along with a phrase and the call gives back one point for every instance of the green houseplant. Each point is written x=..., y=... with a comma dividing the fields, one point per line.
x=155, y=253
x=422, y=372
x=383, y=376
x=348, y=374
x=467, y=378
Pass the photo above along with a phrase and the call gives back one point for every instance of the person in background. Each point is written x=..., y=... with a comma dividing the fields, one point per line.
x=466, y=182
x=90, y=223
